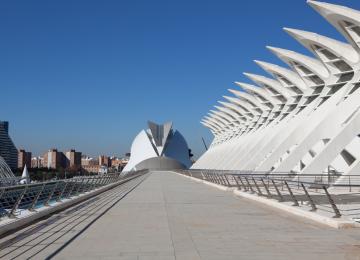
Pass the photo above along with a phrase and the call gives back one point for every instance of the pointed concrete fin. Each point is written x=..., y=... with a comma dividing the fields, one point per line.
x=25, y=177
x=156, y=133
x=286, y=73
x=339, y=48
x=167, y=129
x=160, y=133
x=312, y=64
x=327, y=10
x=337, y=15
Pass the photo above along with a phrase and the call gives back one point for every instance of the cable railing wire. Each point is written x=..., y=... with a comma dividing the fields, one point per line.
x=15, y=199
x=318, y=192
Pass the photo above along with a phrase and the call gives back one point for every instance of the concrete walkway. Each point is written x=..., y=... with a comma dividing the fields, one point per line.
x=170, y=217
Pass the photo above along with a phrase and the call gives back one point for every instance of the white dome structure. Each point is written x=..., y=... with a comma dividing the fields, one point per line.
x=159, y=147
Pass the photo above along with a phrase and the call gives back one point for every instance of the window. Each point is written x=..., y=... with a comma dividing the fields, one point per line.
x=316, y=80
x=346, y=77
x=342, y=65
x=296, y=90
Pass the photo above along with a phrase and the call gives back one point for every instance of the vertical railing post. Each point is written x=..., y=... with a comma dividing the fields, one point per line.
x=79, y=187
x=109, y=180
x=214, y=178
x=36, y=198
x=281, y=198
x=217, y=181
x=237, y=182
x=223, y=181
x=313, y=207
x=61, y=193
x=266, y=188
x=257, y=187
x=227, y=180
x=86, y=185
x=105, y=180
x=51, y=193
x=101, y=180
x=217, y=178
x=222, y=177
x=92, y=184
x=332, y=203
x=112, y=178
x=71, y=188
x=17, y=203
x=296, y=203
x=249, y=185
x=98, y=181
x=243, y=184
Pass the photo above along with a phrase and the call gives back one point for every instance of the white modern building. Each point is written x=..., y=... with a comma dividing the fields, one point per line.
x=304, y=118
x=159, y=147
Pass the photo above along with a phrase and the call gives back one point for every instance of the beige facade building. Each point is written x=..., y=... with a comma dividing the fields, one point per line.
x=104, y=161
x=91, y=168
x=38, y=162
x=53, y=159
x=73, y=159
x=24, y=158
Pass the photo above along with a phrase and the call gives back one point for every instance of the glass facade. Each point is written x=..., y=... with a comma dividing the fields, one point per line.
x=8, y=150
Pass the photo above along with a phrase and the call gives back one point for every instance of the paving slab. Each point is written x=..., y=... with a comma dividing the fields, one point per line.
x=171, y=217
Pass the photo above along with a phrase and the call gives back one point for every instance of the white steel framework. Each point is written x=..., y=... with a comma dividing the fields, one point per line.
x=303, y=119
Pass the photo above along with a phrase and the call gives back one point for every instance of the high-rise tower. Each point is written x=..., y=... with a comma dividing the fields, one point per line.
x=8, y=150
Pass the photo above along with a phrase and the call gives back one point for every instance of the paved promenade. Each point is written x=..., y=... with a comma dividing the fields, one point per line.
x=170, y=217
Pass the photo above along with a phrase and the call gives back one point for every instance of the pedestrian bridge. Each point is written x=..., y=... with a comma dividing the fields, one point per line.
x=163, y=215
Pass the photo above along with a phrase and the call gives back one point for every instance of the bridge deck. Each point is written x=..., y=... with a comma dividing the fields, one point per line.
x=171, y=217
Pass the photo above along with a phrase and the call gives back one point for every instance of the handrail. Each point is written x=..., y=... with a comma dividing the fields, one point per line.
x=285, y=188
x=31, y=196
x=324, y=179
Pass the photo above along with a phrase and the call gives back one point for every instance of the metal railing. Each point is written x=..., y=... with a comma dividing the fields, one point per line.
x=333, y=179
x=9, y=181
x=17, y=198
x=315, y=192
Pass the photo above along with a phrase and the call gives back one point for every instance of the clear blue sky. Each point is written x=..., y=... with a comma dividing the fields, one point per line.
x=89, y=74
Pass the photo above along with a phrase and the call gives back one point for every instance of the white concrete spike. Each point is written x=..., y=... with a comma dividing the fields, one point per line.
x=312, y=64
x=344, y=50
x=25, y=177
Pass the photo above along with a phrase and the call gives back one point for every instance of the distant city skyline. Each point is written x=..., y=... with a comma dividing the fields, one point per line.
x=86, y=75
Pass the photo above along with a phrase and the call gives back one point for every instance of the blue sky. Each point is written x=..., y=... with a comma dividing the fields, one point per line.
x=89, y=74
